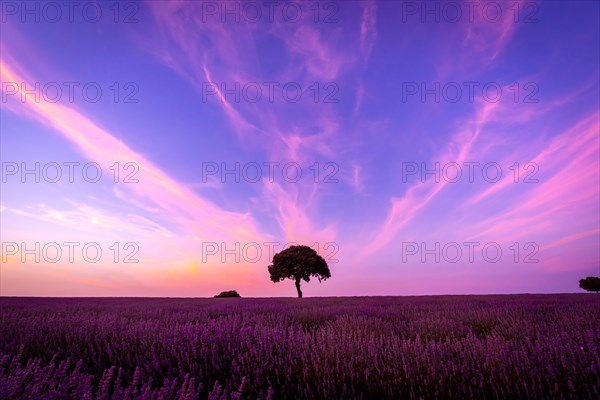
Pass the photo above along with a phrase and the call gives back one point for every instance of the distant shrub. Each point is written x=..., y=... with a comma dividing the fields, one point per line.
x=591, y=284
x=228, y=293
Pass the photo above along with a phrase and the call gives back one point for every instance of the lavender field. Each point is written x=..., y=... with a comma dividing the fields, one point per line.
x=497, y=347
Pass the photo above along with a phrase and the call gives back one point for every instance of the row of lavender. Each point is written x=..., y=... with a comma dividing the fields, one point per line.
x=498, y=347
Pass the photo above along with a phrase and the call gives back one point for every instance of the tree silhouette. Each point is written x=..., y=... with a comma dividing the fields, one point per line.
x=591, y=284
x=229, y=293
x=298, y=263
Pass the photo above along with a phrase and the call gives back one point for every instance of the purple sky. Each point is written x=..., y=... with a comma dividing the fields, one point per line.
x=419, y=147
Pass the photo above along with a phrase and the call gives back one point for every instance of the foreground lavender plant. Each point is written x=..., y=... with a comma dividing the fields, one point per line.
x=521, y=346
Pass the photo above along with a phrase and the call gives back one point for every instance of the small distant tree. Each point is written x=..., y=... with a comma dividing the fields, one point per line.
x=298, y=263
x=591, y=284
x=229, y=293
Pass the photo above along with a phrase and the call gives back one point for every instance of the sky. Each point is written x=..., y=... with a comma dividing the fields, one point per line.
x=171, y=148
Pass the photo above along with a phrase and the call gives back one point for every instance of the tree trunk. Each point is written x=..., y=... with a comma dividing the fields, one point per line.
x=298, y=288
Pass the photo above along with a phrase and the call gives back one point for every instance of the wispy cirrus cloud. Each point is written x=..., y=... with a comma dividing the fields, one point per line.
x=571, y=150
x=185, y=209
x=91, y=219
x=567, y=190
x=420, y=194
x=571, y=238
x=292, y=207
x=483, y=32
x=312, y=54
x=488, y=29
x=368, y=29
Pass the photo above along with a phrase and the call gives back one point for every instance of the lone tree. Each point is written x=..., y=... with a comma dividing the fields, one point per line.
x=591, y=284
x=298, y=263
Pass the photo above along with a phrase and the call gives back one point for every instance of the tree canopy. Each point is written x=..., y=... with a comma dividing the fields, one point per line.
x=591, y=284
x=298, y=263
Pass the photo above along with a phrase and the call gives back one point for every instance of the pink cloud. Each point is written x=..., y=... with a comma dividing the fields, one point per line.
x=357, y=180
x=571, y=238
x=320, y=59
x=226, y=61
x=189, y=211
x=240, y=124
x=368, y=29
x=489, y=29
x=419, y=195
x=482, y=36
x=565, y=199
x=292, y=206
x=568, y=148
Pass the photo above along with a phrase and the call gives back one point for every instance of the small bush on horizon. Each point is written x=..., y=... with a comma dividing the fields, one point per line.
x=591, y=284
x=228, y=293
